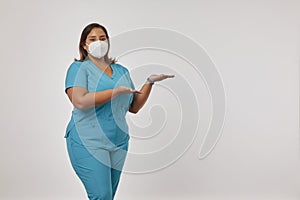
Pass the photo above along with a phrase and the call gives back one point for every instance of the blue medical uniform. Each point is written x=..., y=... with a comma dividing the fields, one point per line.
x=97, y=137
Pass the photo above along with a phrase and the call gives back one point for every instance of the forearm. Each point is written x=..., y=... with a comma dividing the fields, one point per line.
x=92, y=99
x=140, y=99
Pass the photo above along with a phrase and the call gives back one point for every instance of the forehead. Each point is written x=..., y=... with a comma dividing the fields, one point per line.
x=96, y=32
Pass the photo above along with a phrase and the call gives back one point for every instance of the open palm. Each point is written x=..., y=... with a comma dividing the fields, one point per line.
x=160, y=77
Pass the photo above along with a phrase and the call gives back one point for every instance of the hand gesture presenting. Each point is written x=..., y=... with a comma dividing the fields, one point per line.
x=155, y=77
x=126, y=90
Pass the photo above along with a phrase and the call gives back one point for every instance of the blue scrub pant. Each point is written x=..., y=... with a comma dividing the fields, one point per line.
x=100, y=181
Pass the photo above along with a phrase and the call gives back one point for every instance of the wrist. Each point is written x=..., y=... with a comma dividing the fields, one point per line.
x=150, y=81
x=116, y=91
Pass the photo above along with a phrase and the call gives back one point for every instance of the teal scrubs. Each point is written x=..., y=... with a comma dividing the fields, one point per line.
x=102, y=126
x=97, y=137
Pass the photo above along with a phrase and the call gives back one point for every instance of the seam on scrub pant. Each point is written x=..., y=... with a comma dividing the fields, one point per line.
x=89, y=169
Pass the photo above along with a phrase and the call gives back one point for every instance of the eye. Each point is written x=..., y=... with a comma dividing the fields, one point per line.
x=103, y=39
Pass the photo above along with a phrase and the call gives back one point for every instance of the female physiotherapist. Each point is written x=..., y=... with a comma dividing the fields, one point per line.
x=101, y=92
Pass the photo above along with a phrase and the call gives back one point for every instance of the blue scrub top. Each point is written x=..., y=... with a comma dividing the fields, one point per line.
x=102, y=126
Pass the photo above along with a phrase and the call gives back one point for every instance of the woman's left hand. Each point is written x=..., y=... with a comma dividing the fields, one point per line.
x=155, y=77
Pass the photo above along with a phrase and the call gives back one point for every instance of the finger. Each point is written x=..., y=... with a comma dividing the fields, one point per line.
x=140, y=92
x=137, y=91
x=170, y=76
x=166, y=75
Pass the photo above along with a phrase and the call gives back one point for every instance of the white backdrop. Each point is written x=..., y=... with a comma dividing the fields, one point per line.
x=255, y=46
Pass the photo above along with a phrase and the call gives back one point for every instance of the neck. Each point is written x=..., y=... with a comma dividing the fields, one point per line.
x=98, y=62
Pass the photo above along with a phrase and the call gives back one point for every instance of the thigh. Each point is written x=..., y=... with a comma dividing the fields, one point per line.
x=95, y=176
x=118, y=157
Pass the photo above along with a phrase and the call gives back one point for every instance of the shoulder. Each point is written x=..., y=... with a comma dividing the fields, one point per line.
x=77, y=63
x=121, y=67
x=76, y=66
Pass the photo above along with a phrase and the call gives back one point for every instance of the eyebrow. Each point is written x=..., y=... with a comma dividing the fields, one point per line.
x=93, y=36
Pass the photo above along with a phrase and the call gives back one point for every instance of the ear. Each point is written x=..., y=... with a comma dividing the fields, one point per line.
x=85, y=47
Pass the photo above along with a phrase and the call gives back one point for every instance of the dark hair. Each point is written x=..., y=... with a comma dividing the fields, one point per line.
x=83, y=53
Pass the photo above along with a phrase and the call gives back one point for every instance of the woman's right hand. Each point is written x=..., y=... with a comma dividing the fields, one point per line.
x=126, y=90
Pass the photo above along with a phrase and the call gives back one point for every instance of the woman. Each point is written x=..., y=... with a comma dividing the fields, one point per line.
x=101, y=92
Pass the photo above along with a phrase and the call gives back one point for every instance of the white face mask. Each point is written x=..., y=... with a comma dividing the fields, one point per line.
x=98, y=48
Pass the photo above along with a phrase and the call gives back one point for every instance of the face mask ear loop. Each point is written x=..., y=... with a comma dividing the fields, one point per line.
x=87, y=48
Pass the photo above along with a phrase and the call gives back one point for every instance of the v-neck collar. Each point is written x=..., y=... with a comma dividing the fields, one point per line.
x=111, y=65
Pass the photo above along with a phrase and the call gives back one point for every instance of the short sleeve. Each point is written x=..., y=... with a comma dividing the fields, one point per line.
x=76, y=76
x=132, y=87
x=131, y=83
x=129, y=78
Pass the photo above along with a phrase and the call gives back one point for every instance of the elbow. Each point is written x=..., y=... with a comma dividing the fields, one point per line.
x=134, y=111
x=79, y=105
x=77, y=98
